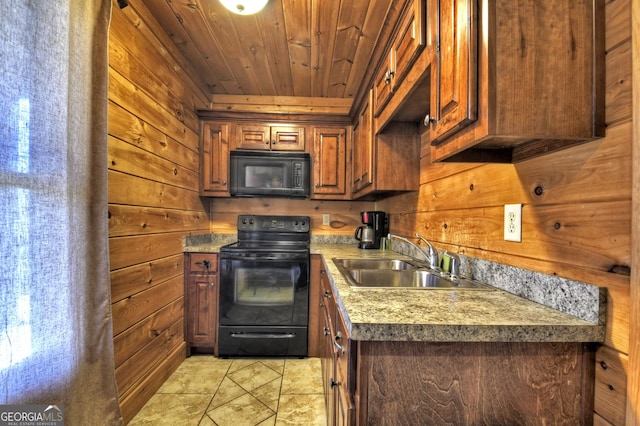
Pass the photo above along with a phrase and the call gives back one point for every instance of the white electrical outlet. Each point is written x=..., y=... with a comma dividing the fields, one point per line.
x=326, y=219
x=513, y=222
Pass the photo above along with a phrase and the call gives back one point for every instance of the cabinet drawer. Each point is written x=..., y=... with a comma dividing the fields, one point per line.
x=203, y=263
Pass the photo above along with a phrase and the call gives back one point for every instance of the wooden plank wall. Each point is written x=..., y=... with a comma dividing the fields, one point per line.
x=345, y=215
x=153, y=199
x=579, y=227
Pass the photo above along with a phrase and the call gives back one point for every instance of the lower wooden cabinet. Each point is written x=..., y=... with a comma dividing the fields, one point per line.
x=333, y=346
x=201, y=301
x=461, y=383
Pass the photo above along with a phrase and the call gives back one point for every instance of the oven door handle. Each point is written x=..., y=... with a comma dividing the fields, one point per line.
x=287, y=257
x=258, y=335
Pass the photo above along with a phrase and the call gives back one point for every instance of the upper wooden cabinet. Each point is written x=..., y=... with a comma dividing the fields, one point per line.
x=270, y=137
x=407, y=44
x=454, y=89
x=330, y=151
x=214, y=159
x=386, y=162
x=362, y=153
x=514, y=79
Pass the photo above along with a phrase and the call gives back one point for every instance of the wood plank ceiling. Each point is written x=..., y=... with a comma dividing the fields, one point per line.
x=292, y=48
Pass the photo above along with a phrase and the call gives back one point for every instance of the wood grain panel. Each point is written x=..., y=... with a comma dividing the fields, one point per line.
x=142, y=35
x=131, y=402
x=135, y=190
x=618, y=23
x=129, y=128
x=127, y=251
x=126, y=282
x=633, y=375
x=135, y=220
x=135, y=338
x=131, y=98
x=297, y=14
x=618, y=84
x=129, y=311
x=345, y=215
x=139, y=365
x=611, y=385
x=177, y=33
x=140, y=74
x=289, y=105
x=560, y=233
x=126, y=158
x=481, y=384
x=153, y=194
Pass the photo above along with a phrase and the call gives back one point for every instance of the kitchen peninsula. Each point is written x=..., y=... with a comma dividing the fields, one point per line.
x=438, y=356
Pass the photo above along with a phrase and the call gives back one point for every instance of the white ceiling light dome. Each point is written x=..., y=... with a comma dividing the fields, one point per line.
x=244, y=7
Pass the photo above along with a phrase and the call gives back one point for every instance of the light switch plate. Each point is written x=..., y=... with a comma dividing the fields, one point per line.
x=326, y=219
x=513, y=222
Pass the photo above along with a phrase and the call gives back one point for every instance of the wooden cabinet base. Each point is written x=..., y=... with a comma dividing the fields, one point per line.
x=475, y=383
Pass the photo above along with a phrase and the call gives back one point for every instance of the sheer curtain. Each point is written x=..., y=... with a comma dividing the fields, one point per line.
x=55, y=321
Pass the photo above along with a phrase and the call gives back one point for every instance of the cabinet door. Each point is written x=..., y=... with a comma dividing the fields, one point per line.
x=266, y=137
x=253, y=136
x=382, y=85
x=345, y=410
x=363, y=148
x=454, y=100
x=202, y=308
x=214, y=161
x=330, y=163
x=201, y=300
x=409, y=41
x=327, y=359
x=287, y=138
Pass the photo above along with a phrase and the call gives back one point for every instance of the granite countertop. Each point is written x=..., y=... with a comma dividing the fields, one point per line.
x=445, y=315
x=438, y=315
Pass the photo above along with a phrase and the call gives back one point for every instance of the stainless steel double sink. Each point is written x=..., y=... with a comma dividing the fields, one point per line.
x=399, y=273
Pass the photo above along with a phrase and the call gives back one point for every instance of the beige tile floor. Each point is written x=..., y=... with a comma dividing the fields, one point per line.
x=207, y=391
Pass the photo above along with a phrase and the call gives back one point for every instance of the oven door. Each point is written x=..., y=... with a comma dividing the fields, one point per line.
x=263, y=304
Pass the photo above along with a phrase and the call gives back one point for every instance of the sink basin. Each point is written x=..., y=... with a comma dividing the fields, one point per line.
x=395, y=264
x=398, y=273
x=388, y=278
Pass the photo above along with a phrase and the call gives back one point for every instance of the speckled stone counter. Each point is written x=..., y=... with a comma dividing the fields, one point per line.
x=439, y=315
x=444, y=315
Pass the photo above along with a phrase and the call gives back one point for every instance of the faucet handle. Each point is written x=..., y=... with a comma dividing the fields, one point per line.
x=450, y=262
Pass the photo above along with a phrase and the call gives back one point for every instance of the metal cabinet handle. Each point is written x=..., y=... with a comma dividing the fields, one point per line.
x=338, y=346
x=387, y=76
x=428, y=119
x=206, y=264
x=334, y=383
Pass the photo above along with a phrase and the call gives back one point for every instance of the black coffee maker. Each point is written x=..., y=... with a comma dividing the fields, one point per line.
x=375, y=227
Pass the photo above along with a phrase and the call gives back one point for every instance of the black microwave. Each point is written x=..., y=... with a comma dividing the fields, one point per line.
x=260, y=174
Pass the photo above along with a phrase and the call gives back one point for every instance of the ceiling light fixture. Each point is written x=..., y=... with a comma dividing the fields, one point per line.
x=244, y=7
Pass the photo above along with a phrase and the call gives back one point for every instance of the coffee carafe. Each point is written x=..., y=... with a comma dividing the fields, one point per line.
x=375, y=227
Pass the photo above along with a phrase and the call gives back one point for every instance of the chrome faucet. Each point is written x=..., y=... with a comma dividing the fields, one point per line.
x=432, y=254
x=434, y=259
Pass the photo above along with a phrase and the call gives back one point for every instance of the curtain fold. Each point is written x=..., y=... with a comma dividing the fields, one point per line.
x=56, y=343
